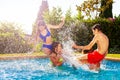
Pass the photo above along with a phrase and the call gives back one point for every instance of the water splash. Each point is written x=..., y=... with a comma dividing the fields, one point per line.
x=68, y=52
x=65, y=36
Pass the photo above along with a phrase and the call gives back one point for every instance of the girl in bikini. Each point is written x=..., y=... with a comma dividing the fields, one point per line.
x=43, y=33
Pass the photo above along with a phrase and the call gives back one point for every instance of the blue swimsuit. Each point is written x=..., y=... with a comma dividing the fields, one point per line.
x=44, y=39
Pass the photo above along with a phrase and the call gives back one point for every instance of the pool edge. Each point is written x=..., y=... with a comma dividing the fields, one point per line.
x=22, y=57
x=42, y=56
x=112, y=59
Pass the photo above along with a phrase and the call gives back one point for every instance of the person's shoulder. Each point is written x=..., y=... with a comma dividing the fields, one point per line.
x=52, y=55
x=96, y=37
x=102, y=35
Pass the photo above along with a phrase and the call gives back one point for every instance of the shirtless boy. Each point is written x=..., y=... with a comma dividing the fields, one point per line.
x=94, y=58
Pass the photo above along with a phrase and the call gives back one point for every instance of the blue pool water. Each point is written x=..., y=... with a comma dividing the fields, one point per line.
x=39, y=69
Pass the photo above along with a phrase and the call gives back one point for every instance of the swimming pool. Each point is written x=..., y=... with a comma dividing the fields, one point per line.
x=38, y=69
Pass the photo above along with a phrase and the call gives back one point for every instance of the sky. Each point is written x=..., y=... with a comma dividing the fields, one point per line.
x=24, y=12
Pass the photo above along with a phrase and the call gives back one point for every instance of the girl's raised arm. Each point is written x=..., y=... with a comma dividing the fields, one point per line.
x=57, y=26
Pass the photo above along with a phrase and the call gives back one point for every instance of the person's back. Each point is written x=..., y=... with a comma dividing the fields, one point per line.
x=102, y=43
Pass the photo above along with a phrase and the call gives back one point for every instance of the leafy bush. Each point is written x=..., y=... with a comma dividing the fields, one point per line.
x=110, y=28
x=12, y=39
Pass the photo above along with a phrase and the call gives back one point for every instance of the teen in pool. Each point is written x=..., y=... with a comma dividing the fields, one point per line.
x=55, y=57
x=94, y=58
x=43, y=33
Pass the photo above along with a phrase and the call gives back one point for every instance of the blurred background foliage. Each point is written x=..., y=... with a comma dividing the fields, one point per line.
x=77, y=27
x=12, y=39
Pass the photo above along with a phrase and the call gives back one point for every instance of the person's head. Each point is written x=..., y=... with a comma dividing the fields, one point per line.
x=57, y=47
x=41, y=25
x=96, y=28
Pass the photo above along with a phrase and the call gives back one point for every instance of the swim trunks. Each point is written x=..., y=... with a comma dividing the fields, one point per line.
x=95, y=57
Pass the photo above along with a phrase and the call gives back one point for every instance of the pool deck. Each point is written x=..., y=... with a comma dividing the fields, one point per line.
x=35, y=55
x=112, y=59
x=17, y=56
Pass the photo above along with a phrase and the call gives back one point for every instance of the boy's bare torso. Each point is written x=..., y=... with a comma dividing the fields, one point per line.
x=102, y=43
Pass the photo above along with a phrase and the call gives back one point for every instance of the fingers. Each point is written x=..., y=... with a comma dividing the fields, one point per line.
x=74, y=45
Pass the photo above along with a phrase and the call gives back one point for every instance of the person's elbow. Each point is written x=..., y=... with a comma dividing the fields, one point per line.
x=88, y=47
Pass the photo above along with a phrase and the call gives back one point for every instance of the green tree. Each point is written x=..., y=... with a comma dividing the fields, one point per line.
x=79, y=16
x=54, y=16
x=68, y=17
x=96, y=8
x=12, y=38
x=90, y=8
x=106, y=8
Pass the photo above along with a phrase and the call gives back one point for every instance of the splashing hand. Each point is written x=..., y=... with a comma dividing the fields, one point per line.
x=61, y=23
x=74, y=45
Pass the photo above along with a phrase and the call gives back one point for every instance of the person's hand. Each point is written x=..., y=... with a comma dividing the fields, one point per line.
x=74, y=45
x=62, y=22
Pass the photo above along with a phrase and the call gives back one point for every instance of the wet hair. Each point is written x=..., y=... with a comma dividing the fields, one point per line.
x=97, y=26
x=54, y=45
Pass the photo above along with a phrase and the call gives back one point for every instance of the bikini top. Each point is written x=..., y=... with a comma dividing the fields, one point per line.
x=44, y=37
x=60, y=60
